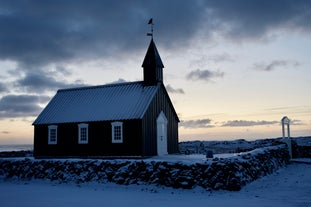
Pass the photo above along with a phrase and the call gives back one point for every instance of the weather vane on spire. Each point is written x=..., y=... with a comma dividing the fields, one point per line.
x=151, y=24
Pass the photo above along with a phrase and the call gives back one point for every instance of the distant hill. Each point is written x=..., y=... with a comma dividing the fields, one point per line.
x=234, y=146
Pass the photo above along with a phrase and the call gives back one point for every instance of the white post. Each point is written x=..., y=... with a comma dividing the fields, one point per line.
x=288, y=131
x=287, y=139
x=283, y=129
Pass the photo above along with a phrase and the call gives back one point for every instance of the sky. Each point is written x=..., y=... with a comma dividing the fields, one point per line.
x=233, y=68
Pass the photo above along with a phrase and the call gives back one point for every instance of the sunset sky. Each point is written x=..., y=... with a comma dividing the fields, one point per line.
x=233, y=68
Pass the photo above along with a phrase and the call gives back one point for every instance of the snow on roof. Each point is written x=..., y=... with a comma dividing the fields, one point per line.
x=98, y=103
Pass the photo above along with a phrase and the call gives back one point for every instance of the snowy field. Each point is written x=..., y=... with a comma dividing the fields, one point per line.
x=289, y=186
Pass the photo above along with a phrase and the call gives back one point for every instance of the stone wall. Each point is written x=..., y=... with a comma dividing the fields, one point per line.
x=301, y=148
x=227, y=174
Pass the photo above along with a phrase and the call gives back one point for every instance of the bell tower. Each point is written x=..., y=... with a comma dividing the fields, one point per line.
x=153, y=66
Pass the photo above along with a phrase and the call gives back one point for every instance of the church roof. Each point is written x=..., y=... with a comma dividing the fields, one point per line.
x=121, y=101
x=152, y=58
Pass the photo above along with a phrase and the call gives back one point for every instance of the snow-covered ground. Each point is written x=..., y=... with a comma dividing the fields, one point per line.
x=289, y=186
x=190, y=159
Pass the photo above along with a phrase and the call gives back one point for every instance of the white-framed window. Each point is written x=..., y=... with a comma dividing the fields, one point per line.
x=83, y=134
x=52, y=134
x=117, y=132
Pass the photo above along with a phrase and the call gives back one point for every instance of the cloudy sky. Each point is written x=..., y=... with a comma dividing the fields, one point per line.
x=233, y=68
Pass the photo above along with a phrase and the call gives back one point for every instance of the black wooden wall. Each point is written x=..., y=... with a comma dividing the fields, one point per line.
x=161, y=102
x=99, y=140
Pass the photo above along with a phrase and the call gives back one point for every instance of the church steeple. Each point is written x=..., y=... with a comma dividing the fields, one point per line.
x=152, y=65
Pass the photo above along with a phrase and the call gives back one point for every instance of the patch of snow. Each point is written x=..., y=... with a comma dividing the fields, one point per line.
x=301, y=160
x=303, y=141
x=190, y=159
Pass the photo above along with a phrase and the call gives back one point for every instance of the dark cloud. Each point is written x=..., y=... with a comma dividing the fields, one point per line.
x=41, y=82
x=296, y=122
x=5, y=132
x=205, y=75
x=275, y=65
x=170, y=89
x=43, y=32
x=217, y=58
x=120, y=80
x=243, y=123
x=12, y=106
x=61, y=70
x=224, y=57
x=197, y=123
x=35, y=34
x=3, y=88
x=244, y=19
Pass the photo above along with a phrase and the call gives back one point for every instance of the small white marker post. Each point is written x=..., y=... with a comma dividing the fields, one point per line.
x=286, y=121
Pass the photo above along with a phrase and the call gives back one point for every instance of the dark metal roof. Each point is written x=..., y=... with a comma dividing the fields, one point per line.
x=152, y=58
x=99, y=103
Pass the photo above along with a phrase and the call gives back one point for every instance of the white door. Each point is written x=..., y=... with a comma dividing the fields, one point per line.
x=162, y=134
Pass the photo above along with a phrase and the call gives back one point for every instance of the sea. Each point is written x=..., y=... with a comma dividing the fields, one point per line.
x=16, y=147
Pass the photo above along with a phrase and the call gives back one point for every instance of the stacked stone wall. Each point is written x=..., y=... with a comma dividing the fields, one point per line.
x=226, y=174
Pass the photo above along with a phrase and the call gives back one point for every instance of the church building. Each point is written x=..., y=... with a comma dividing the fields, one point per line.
x=130, y=119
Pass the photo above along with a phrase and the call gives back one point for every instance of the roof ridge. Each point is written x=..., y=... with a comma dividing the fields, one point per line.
x=99, y=86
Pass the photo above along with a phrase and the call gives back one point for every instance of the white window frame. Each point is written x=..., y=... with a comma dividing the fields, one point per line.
x=115, y=137
x=51, y=139
x=82, y=139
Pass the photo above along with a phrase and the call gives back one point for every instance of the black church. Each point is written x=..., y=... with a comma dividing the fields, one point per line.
x=131, y=119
